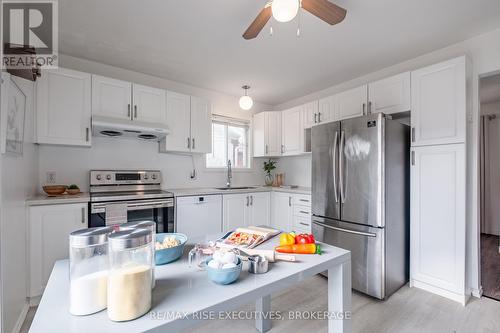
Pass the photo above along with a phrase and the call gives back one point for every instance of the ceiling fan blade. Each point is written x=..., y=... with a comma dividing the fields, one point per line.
x=325, y=10
x=259, y=23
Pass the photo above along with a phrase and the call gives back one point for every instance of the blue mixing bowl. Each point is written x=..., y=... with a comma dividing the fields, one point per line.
x=165, y=256
x=224, y=276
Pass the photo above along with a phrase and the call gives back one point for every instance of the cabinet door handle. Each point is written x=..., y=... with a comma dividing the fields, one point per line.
x=189, y=143
x=128, y=110
x=267, y=149
x=87, y=130
x=305, y=224
x=369, y=107
x=304, y=200
x=193, y=142
x=247, y=200
x=282, y=149
x=83, y=215
x=364, y=107
x=413, y=134
x=251, y=200
x=319, y=117
x=413, y=157
x=303, y=212
x=315, y=118
x=135, y=111
x=290, y=201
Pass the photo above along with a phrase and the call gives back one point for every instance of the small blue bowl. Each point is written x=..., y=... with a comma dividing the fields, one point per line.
x=166, y=256
x=224, y=276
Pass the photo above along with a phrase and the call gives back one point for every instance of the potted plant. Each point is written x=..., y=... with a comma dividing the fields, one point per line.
x=268, y=167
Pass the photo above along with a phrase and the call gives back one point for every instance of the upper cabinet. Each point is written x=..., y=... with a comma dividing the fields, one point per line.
x=310, y=114
x=127, y=101
x=111, y=97
x=267, y=134
x=63, y=111
x=352, y=103
x=438, y=103
x=149, y=104
x=390, y=95
x=190, y=122
x=292, y=130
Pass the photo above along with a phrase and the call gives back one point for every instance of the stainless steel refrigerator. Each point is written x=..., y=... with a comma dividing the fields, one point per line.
x=360, y=198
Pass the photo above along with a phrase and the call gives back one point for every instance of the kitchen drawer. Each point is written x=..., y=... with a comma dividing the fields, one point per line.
x=302, y=211
x=301, y=199
x=302, y=224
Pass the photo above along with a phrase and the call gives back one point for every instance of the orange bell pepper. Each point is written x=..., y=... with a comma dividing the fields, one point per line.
x=299, y=249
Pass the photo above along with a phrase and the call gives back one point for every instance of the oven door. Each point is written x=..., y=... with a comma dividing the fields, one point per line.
x=160, y=211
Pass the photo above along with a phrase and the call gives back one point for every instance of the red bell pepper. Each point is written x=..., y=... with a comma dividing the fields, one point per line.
x=304, y=239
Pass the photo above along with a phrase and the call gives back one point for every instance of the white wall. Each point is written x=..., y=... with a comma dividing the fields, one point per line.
x=18, y=180
x=72, y=164
x=484, y=51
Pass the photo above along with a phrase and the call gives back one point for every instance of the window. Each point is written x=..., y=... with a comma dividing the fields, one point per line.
x=229, y=142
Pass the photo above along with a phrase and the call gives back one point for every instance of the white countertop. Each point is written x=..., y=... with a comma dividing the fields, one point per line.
x=44, y=199
x=184, y=192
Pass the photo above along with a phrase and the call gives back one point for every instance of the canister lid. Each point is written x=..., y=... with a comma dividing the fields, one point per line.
x=151, y=225
x=129, y=239
x=89, y=237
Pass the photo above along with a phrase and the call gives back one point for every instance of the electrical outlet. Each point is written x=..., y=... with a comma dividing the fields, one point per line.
x=51, y=177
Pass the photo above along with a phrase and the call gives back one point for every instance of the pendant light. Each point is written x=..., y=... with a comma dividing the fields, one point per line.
x=246, y=101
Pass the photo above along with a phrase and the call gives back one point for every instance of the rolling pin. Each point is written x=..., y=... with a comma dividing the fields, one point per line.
x=271, y=255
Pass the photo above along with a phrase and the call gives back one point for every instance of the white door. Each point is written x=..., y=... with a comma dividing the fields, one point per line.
x=438, y=95
x=111, y=97
x=259, y=134
x=281, y=211
x=273, y=133
x=260, y=208
x=150, y=104
x=390, y=95
x=437, y=229
x=327, y=110
x=310, y=114
x=235, y=209
x=201, y=125
x=178, y=122
x=49, y=229
x=292, y=132
x=63, y=111
x=352, y=103
x=199, y=215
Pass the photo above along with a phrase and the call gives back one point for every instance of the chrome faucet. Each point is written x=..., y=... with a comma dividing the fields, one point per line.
x=229, y=173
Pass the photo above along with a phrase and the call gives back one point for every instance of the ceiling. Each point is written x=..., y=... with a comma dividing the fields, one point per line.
x=199, y=41
x=489, y=91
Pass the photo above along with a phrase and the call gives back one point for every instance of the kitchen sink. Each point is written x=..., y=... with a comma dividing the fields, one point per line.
x=236, y=188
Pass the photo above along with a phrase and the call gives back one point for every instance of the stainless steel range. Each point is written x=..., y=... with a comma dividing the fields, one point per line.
x=119, y=196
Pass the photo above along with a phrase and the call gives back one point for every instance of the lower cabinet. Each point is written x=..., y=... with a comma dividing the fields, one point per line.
x=437, y=229
x=241, y=210
x=291, y=212
x=49, y=228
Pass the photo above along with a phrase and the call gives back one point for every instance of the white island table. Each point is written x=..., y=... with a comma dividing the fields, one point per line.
x=184, y=296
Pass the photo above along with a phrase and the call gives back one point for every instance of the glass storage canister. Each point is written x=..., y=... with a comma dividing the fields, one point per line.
x=88, y=266
x=131, y=264
x=149, y=225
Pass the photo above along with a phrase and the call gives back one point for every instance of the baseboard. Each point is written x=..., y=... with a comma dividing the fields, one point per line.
x=21, y=318
x=462, y=299
x=476, y=292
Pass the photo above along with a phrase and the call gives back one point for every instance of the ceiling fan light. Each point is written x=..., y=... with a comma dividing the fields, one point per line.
x=246, y=102
x=285, y=10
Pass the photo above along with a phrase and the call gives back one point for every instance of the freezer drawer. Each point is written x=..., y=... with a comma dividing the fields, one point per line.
x=367, y=252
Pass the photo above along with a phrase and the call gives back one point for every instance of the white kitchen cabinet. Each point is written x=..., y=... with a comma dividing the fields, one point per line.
x=149, y=104
x=438, y=200
x=189, y=120
x=281, y=211
x=390, y=95
x=241, y=210
x=327, y=109
x=438, y=103
x=199, y=215
x=292, y=129
x=352, y=103
x=49, y=229
x=310, y=113
x=201, y=125
x=111, y=98
x=267, y=134
x=63, y=110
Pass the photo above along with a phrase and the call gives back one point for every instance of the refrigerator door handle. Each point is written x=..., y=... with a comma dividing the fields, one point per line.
x=335, y=142
x=361, y=233
x=341, y=167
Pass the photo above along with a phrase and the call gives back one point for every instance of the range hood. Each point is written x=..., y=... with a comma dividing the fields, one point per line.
x=117, y=128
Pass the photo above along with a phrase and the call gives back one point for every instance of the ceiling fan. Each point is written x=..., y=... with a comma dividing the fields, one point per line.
x=286, y=10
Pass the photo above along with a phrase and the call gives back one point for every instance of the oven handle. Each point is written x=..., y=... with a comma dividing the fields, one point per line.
x=361, y=233
x=133, y=205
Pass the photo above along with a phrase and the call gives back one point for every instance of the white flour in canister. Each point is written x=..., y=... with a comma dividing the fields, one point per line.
x=88, y=293
x=129, y=292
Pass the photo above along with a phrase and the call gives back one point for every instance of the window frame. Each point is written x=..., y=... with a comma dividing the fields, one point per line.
x=236, y=122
